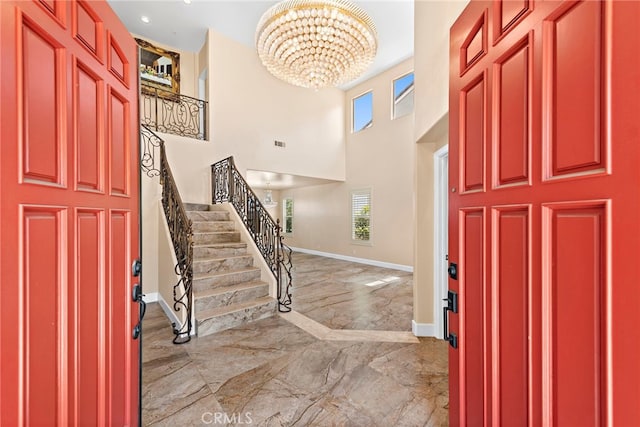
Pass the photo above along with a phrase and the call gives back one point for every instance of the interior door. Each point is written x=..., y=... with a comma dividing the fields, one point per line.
x=543, y=216
x=69, y=215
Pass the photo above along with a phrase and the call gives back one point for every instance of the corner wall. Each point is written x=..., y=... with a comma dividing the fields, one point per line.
x=379, y=158
x=431, y=43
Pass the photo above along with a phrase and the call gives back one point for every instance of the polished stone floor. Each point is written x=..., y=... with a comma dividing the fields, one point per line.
x=343, y=357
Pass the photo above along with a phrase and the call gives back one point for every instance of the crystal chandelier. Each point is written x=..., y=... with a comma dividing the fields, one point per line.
x=316, y=43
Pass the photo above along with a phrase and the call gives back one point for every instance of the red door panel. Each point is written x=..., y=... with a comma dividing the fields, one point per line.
x=90, y=357
x=573, y=100
x=44, y=143
x=41, y=324
x=120, y=344
x=511, y=119
x=473, y=321
x=575, y=252
x=511, y=306
x=473, y=135
x=69, y=215
x=89, y=143
x=548, y=284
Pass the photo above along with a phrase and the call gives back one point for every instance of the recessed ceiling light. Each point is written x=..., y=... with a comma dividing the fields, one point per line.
x=187, y=1
x=145, y=19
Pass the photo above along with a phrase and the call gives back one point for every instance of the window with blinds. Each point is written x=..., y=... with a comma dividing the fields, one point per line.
x=287, y=215
x=361, y=216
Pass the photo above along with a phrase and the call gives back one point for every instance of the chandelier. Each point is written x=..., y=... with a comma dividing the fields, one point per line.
x=316, y=43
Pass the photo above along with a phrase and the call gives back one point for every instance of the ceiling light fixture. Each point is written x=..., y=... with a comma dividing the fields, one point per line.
x=316, y=43
x=268, y=201
x=187, y=1
x=145, y=19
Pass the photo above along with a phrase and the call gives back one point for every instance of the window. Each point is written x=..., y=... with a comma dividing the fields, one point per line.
x=287, y=214
x=362, y=107
x=361, y=216
x=403, y=94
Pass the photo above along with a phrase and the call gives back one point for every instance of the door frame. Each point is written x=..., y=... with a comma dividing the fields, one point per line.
x=440, y=234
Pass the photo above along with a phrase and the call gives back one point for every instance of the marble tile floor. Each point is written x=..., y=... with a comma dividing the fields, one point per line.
x=304, y=368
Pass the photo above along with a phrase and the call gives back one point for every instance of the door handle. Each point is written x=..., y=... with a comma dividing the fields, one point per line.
x=452, y=305
x=137, y=296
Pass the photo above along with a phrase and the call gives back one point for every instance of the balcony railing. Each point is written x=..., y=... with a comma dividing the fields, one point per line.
x=167, y=112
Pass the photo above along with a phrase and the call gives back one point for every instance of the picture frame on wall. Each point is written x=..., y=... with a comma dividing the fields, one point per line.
x=159, y=70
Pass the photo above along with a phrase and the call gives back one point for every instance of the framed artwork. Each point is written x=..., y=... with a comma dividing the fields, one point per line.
x=159, y=69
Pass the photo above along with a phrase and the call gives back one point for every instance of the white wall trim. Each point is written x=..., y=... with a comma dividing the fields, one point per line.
x=407, y=268
x=150, y=297
x=423, y=329
x=440, y=234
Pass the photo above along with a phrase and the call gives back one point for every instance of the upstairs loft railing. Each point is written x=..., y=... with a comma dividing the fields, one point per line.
x=167, y=112
x=229, y=186
x=180, y=227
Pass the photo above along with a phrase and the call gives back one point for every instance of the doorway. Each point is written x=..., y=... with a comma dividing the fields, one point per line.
x=440, y=234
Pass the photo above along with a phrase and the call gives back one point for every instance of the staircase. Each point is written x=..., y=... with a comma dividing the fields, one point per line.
x=227, y=290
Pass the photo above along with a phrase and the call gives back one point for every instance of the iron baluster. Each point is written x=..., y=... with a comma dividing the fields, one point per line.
x=180, y=229
x=228, y=185
x=173, y=113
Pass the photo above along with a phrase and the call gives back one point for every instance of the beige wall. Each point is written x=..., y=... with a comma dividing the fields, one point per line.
x=431, y=44
x=379, y=158
x=433, y=19
x=167, y=278
x=423, y=275
x=250, y=109
x=151, y=193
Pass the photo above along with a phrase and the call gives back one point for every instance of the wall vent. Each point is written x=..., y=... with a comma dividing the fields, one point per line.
x=280, y=144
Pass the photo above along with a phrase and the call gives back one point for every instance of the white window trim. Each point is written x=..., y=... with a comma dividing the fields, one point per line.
x=393, y=103
x=369, y=192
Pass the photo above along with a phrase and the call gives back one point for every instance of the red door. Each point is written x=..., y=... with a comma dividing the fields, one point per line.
x=69, y=215
x=544, y=202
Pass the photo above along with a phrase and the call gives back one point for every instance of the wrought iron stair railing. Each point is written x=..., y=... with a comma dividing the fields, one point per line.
x=180, y=228
x=168, y=112
x=228, y=185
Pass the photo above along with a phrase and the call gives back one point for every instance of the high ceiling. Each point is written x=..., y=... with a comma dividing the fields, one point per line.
x=184, y=26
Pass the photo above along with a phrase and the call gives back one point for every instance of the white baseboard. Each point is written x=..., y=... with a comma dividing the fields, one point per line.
x=169, y=312
x=150, y=297
x=375, y=263
x=423, y=329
